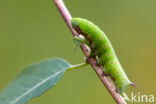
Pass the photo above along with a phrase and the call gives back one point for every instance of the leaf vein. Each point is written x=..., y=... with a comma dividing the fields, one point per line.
x=37, y=85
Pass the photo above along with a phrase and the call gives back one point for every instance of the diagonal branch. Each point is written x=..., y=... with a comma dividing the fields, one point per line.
x=92, y=61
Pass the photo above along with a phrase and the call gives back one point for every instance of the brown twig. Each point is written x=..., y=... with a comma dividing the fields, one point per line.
x=92, y=61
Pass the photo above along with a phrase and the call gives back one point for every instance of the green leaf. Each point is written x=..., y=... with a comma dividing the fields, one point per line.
x=33, y=81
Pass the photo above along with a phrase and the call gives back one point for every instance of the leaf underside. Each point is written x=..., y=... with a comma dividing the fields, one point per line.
x=33, y=81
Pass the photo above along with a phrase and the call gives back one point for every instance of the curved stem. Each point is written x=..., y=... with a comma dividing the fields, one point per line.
x=92, y=61
x=77, y=66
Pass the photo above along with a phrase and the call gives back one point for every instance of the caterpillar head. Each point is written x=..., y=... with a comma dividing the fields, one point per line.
x=74, y=23
x=75, y=26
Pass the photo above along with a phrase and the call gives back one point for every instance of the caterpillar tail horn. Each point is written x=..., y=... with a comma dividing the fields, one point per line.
x=132, y=84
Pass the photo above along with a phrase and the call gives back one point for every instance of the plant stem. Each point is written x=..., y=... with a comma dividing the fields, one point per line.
x=77, y=66
x=92, y=61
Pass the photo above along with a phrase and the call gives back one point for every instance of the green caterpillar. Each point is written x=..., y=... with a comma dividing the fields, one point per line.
x=103, y=50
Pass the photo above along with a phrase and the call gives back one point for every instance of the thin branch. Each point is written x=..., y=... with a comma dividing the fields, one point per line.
x=93, y=62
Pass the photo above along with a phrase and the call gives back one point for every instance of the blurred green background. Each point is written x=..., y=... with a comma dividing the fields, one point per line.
x=33, y=30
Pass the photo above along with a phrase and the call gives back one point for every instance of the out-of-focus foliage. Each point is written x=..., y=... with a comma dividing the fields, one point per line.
x=33, y=30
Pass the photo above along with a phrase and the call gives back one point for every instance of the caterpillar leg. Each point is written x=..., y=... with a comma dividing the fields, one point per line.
x=80, y=40
x=113, y=80
x=93, y=55
x=114, y=83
